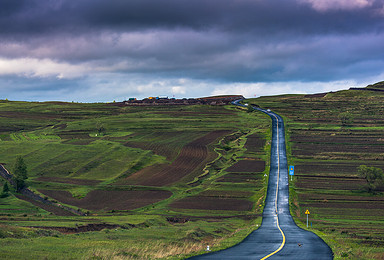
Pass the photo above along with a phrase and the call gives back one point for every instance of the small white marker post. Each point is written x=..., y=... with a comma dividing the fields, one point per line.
x=307, y=213
x=208, y=248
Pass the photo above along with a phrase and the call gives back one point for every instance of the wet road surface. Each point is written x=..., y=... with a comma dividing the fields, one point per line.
x=278, y=236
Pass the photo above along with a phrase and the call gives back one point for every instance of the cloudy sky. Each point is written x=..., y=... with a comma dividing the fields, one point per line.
x=99, y=50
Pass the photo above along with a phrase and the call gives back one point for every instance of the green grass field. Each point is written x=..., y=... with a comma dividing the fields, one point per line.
x=90, y=150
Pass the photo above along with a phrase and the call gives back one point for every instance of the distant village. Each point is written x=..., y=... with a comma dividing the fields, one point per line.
x=164, y=100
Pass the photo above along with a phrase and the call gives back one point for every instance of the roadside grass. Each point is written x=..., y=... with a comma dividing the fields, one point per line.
x=153, y=240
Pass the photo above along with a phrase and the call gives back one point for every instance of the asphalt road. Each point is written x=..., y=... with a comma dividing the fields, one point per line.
x=278, y=236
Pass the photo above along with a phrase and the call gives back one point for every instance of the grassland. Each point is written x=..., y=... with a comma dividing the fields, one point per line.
x=217, y=200
x=123, y=167
x=326, y=153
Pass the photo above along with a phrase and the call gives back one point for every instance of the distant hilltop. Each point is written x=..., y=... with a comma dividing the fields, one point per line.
x=374, y=87
x=378, y=87
x=164, y=100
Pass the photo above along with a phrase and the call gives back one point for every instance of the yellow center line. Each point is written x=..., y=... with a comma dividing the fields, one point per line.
x=277, y=191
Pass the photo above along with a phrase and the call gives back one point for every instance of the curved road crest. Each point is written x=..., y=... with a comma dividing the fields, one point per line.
x=278, y=236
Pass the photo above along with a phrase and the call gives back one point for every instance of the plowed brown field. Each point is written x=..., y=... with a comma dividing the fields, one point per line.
x=226, y=194
x=247, y=166
x=240, y=178
x=317, y=182
x=307, y=149
x=329, y=168
x=254, y=143
x=110, y=199
x=191, y=157
x=170, y=152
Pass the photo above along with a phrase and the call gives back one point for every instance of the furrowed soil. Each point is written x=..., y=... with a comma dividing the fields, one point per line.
x=248, y=166
x=326, y=153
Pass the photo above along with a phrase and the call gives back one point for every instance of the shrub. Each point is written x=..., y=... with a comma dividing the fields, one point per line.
x=373, y=176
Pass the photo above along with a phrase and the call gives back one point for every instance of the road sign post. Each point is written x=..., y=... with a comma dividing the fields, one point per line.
x=307, y=213
x=291, y=170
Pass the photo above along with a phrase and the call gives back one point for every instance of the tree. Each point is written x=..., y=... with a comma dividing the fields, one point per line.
x=5, y=188
x=372, y=175
x=5, y=191
x=346, y=118
x=100, y=128
x=20, y=173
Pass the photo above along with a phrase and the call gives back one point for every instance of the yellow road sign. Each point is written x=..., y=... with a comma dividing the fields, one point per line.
x=307, y=212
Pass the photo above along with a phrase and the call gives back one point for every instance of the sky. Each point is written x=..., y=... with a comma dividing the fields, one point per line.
x=100, y=51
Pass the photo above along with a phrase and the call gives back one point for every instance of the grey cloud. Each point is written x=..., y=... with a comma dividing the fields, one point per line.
x=37, y=17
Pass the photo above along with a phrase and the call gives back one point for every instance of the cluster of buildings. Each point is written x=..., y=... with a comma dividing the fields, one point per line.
x=163, y=100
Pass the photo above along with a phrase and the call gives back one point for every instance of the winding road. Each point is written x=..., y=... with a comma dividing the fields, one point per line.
x=278, y=236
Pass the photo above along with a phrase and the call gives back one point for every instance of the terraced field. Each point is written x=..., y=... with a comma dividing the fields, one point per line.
x=326, y=154
x=192, y=157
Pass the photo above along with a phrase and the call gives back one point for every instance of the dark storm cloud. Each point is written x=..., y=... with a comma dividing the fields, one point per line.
x=217, y=40
x=38, y=17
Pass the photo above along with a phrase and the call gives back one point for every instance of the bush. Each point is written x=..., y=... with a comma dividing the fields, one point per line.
x=346, y=118
x=373, y=176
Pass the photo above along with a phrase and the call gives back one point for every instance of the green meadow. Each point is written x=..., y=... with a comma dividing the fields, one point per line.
x=77, y=153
